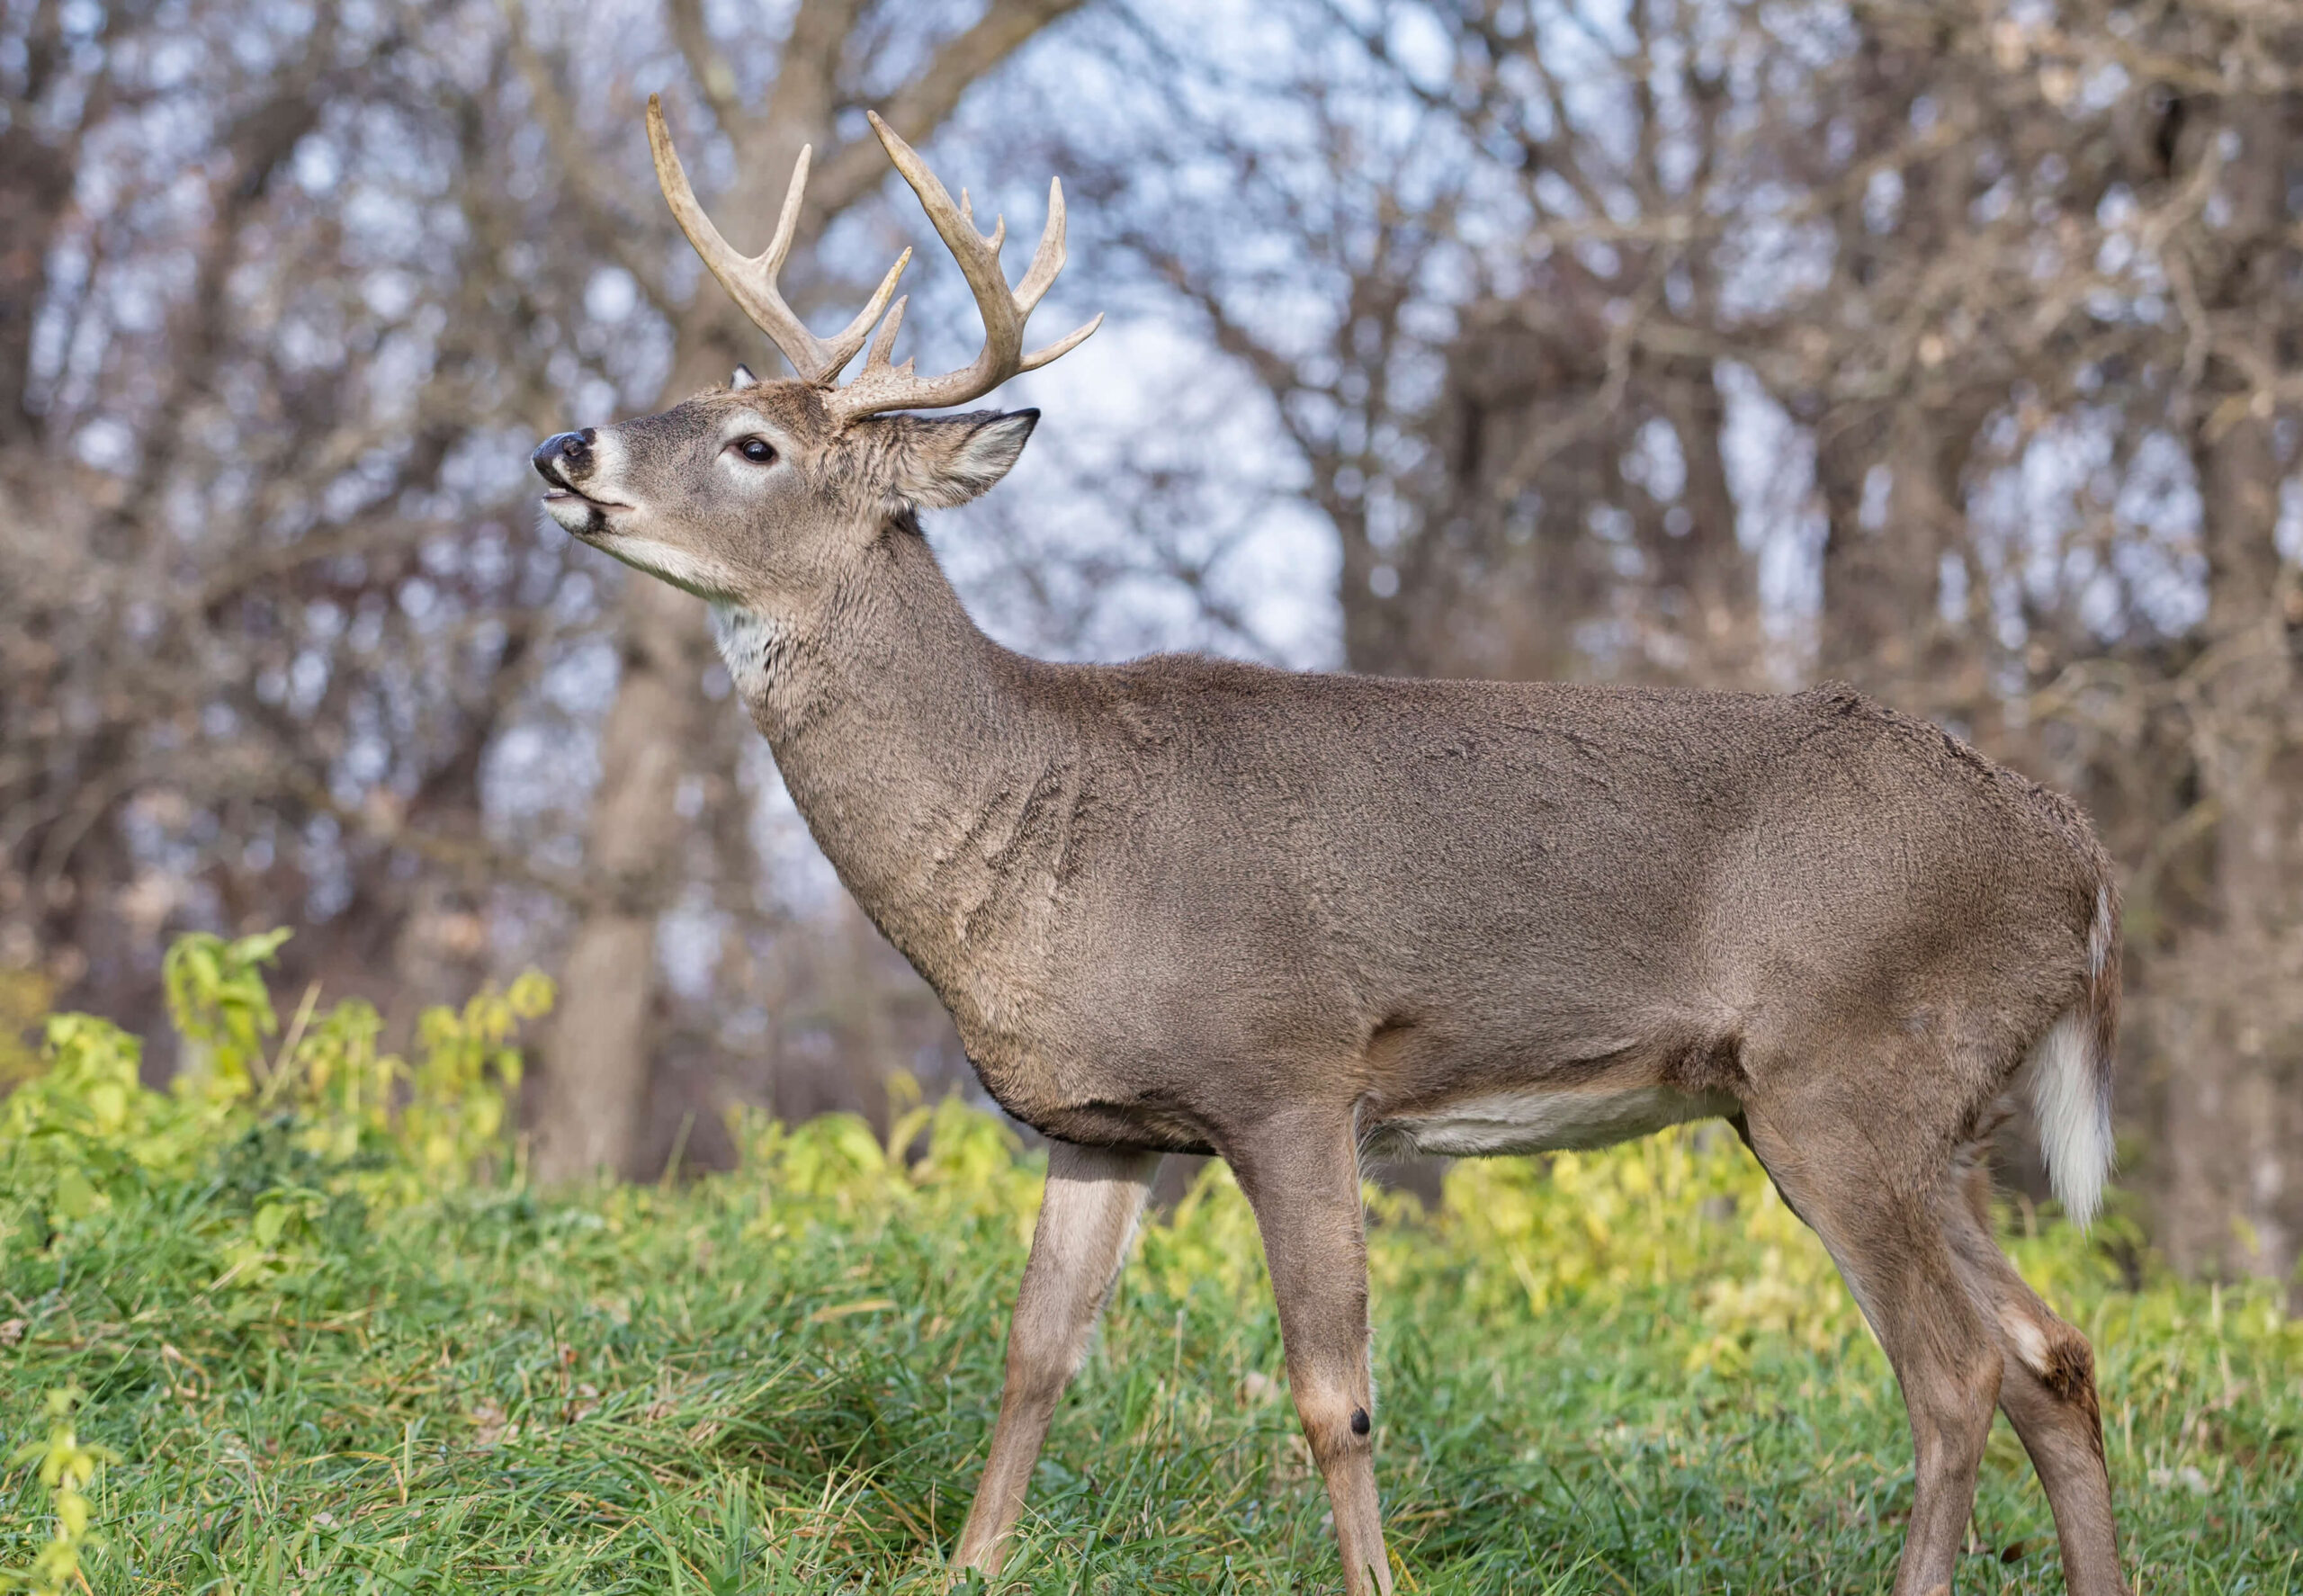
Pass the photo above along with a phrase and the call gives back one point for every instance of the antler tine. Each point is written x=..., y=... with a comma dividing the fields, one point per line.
x=882, y=387
x=1047, y=260
x=750, y=280
x=884, y=344
x=842, y=349
x=1062, y=346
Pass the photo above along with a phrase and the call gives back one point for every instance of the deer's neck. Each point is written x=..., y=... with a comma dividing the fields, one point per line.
x=937, y=783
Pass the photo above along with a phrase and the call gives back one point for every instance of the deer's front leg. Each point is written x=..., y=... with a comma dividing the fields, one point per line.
x=1093, y=1199
x=1302, y=1174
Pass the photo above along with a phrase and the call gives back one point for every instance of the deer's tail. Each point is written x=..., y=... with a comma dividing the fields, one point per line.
x=2070, y=1072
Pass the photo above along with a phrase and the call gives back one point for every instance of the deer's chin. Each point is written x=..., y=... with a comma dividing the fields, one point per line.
x=667, y=562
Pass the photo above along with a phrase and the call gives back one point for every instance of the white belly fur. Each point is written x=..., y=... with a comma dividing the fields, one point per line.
x=1539, y=1121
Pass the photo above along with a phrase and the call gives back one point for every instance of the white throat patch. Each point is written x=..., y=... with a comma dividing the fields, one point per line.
x=747, y=638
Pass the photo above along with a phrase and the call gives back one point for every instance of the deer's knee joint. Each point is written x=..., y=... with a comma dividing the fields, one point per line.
x=1039, y=1368
x=1336, y=1424
x=1040, y=1379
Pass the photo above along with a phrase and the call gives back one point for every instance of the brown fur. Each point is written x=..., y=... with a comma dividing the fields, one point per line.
x=1192, y=905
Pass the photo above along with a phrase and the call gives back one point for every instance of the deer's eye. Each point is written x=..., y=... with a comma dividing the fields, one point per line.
x=758, y=451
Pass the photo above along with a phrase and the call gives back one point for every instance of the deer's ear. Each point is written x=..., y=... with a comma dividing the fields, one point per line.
x=943, y=460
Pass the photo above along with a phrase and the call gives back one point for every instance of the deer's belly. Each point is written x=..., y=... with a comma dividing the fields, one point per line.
x=1541, y=1120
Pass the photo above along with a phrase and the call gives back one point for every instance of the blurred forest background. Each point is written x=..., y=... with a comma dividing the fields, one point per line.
x=1951, y=347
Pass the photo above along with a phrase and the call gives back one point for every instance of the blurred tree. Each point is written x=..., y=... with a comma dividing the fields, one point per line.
x=2232, y=1020
x=243, y=449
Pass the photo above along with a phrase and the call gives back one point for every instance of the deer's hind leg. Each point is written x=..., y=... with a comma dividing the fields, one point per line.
x=2047, y=1391
x=1869, y=1181
x=1094, y=1197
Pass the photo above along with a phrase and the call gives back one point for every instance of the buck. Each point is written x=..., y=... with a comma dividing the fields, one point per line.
x=1186, y=905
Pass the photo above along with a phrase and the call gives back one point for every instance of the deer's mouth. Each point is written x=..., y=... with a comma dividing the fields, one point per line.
x=578, y=512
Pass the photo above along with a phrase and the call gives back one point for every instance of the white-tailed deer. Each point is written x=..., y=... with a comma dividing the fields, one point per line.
x=1186, y=905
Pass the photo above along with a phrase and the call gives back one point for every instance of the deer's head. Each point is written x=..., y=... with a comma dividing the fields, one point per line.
x=762, y=492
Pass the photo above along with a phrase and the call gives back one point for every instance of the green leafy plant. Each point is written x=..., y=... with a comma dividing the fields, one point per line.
x=222, y=1010
x=352, y=1122
x=68, y=1465
x=23, y=1001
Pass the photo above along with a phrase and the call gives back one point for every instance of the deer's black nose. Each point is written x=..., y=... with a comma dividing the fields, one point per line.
x=564, y=457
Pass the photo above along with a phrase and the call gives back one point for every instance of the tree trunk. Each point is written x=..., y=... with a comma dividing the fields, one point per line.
x=599, y=1050
x=2232, y=1010
x=1714, y=574
x=1883, y=549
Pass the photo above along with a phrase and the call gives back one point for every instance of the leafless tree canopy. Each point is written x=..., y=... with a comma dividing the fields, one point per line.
x=1950, y=349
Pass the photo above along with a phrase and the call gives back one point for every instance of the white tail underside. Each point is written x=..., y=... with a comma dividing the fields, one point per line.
x=2075, y=1115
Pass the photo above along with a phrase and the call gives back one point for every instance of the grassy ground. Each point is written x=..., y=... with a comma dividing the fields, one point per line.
x=1633, y=1373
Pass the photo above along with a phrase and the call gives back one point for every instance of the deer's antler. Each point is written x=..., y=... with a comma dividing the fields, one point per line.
x=750, y=280
x=881, y=386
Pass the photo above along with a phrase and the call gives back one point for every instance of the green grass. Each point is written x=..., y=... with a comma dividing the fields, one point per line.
x=1632, y=1376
